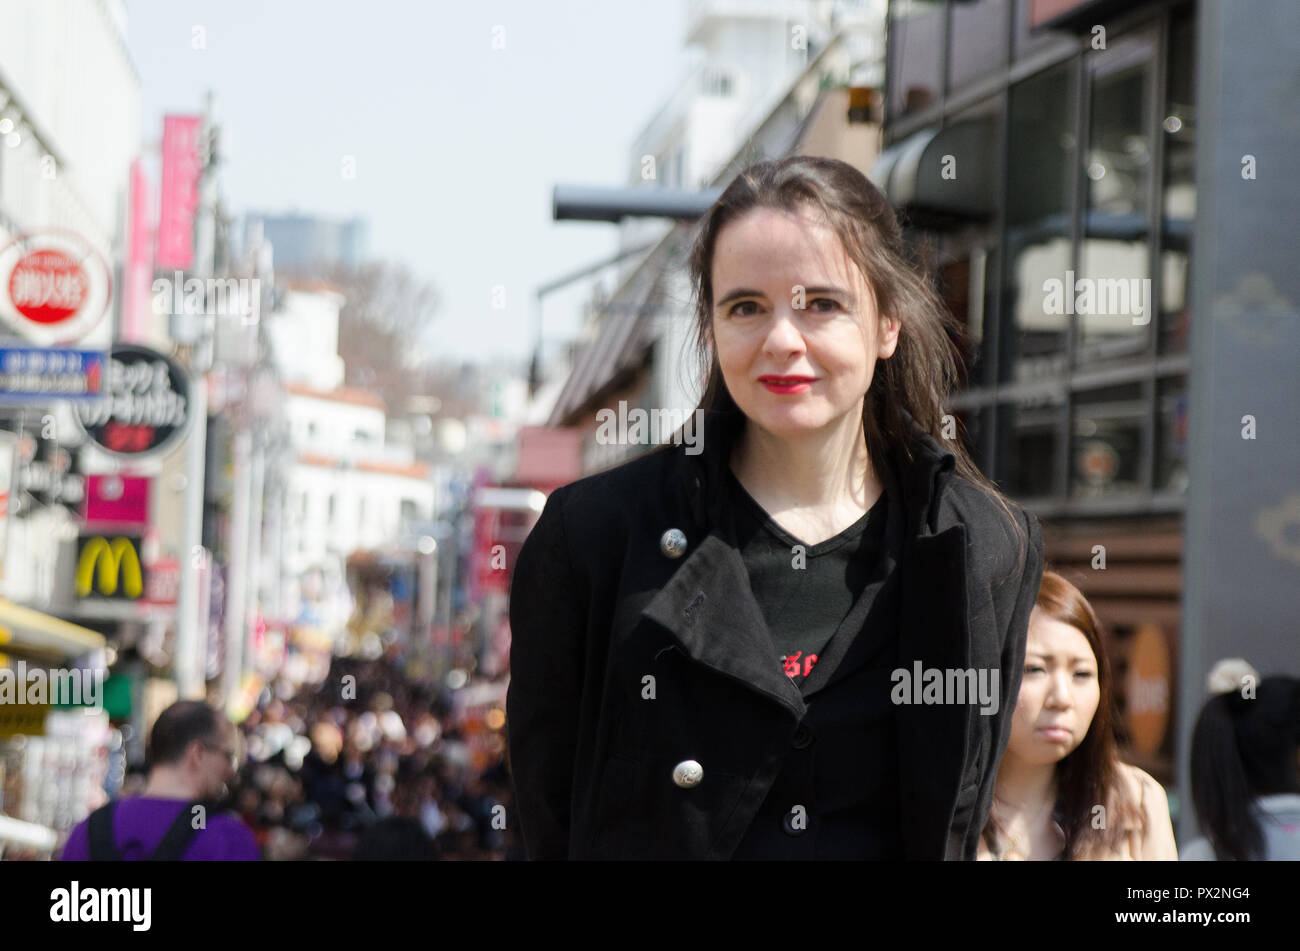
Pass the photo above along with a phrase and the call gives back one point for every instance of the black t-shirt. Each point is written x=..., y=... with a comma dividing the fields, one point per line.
x=839, y=780
x=804, y=591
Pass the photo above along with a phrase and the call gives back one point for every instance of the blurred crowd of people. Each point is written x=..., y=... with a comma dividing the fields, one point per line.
x=368, y=766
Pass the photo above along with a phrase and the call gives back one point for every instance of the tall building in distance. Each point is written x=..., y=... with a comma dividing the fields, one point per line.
x=306, y=242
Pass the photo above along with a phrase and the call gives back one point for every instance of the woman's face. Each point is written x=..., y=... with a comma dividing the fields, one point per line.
x=1058, y=694
x=794, y=322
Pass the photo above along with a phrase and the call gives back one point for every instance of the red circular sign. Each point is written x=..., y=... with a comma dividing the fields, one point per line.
x=48, y=287
x=55, y=287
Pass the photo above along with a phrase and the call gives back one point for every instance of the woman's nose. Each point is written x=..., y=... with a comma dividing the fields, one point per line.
x=1059, y=693
x=783, y=336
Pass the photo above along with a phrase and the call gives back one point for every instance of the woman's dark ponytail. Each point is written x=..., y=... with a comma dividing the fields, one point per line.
x=1244, y=746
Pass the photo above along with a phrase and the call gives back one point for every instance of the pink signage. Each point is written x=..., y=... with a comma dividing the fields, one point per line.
x=121, y=500
x=138, y=280
x=180, y=191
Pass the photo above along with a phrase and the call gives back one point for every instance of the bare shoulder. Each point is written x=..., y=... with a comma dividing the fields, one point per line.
x=1158, y=841
x=1143, y=787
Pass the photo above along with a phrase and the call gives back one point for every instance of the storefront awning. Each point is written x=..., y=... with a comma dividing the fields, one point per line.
x=24, y=629
x=946, y=172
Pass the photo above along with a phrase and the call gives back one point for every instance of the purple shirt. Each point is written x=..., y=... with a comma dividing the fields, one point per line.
x=140, y=822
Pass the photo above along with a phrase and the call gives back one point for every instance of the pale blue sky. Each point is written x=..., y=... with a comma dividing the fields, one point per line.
x=457, y=145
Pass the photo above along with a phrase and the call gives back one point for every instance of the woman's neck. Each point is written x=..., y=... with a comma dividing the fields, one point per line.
x=1025, y=787
x=820, y=469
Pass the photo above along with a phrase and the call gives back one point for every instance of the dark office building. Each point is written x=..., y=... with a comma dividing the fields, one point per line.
x=1059, y=171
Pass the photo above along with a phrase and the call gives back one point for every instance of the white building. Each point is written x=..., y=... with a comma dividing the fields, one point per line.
x=304, y=335
x=69, y=118
x=69, y=130
x=353, y=482
x=349, y=491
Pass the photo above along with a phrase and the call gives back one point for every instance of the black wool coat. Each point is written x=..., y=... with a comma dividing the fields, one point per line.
x=600, y=602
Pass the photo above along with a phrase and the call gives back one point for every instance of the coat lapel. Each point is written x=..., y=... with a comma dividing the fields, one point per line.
x=708, y=603
x=710, y=609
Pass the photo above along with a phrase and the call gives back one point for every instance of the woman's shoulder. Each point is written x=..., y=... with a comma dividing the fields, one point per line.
x=1001, y=534
x=596, y=510
x=1141, y=789
x=1157, y=834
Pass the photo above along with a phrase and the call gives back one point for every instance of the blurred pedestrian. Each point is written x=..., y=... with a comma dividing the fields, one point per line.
x=1246, y=768
x=192, y=757
x=1062, y=792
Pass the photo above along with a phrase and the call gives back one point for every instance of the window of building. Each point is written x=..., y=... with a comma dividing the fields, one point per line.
x=978, y=41
x=1038, y=209
x=409, y=511
x=916, y=45
x=1115, y=253
x=1107, y=432
x=717, y=82
x=1029, y=439
x=968, y=256
x=332, y=510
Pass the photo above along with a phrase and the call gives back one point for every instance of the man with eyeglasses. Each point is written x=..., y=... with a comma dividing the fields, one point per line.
x=192, y=757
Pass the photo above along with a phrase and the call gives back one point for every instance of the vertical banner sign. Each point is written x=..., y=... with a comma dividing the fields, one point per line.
x=180, y=191
x=137, y=282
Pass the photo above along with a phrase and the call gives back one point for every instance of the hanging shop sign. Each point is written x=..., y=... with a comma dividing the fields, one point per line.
x=40, y=374
x=144, y=405
x=109, y=567
x=54, y=287
x=118, y=500
x=47, y=473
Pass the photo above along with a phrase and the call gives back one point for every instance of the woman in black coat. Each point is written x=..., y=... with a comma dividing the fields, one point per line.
x=797, y=632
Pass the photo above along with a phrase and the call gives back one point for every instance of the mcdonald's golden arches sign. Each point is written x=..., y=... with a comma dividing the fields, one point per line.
x=108, y=566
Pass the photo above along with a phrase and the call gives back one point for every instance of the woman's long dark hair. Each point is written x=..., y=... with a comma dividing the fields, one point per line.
x=1242, y=748
x=1089, y=775
x=924, y=366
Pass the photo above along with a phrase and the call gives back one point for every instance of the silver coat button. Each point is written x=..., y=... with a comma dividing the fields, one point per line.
x=688, y=773
x=673, y=543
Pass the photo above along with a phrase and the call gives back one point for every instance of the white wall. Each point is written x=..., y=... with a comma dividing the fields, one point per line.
x=67, y=62
x=304, y=335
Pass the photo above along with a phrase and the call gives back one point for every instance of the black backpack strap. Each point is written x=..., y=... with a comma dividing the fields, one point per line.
x=100, y=833
x=179, y=834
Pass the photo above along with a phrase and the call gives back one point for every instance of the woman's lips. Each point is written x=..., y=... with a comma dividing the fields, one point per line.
x=1057, y=734
x=786, y=384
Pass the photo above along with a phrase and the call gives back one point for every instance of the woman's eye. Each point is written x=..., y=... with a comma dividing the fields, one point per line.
x=1033, y=669
x=736, y=312
x=830, y=305
x=1085, y=674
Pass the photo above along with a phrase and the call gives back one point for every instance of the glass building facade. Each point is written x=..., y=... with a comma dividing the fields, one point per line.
x=1041, y=153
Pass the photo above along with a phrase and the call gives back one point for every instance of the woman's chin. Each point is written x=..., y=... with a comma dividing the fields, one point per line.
x=790, y=421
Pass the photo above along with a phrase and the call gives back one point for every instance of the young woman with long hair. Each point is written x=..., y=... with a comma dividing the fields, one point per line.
x=706, y=646
x=1062, y=791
